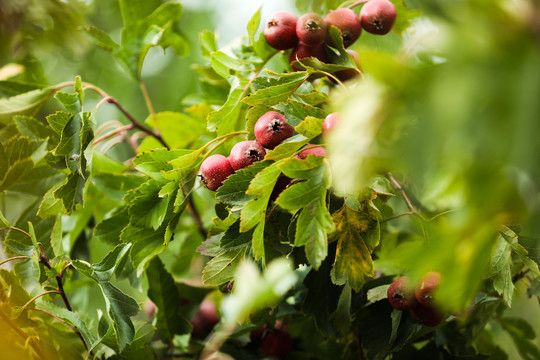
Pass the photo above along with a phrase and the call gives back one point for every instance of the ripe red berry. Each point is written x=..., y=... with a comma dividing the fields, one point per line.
x=271, y=129
x=214, y=170
x=317, y=151
x=378, y=16
x=280, y=31
x=277, y=343
x=401, y=296
x=246, y=153
x=329, y=123
x=204, y=320
x=430, y=282
x=311, y=29
x=427, y=314
x=348, y=74
x=302, y=51
x=347, y=22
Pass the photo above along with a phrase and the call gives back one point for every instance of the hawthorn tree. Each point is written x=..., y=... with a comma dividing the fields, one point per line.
x=305, y=201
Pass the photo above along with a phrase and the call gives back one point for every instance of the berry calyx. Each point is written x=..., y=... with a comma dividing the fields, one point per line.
x=214, y=170
x=271, y=129
x=400, y=295
x=329, y=123
x=311, y=29
x=430, y=282
x=378, y=16
x=204, y=320
x=302, y=51
x=316, y=151
x=427, y=315
x=347, y=22
x=246, y=153
x=280, y=30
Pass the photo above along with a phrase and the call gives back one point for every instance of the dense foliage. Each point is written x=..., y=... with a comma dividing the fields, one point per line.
x=114, y=249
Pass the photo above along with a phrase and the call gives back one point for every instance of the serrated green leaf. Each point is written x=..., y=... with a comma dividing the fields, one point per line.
x=146, y=208
x=208, y=42
x=233, y=190
x=49, y=205
x=59, y=120
x=69, y=100
x=222, y=267
x=71, y=191
x=223, y=64
x=287, y=148
x=29, y=126
x=109, y=230
x=312, y=228
x=377, y=293
x=226, y=119
x=101, y=39
x=147, y=243
x=278, y=93
x=22, y=102
x=163, y=292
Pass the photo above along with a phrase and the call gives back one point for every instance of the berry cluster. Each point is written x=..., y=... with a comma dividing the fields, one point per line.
x=418, y=301
x=308, y=34
x=275, y=342
x=271, y=129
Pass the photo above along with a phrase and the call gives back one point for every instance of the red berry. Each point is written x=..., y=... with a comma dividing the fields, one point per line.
x=280, y=31
x=246, y=153
x=150, y=308
x=277, y=343
x=378, y=16
x=317, y=151
x=204, y=320
x=427, y=314
x=348, y=74
x=347, y=22
x=311, y=29
x=329, y=123
x=302, y=51
x=430, y=282
x=214, y=170
x=271, y=129
x=400, y=296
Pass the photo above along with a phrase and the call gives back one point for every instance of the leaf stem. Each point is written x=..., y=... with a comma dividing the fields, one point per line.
x=113, y=133
x=396, y=185
x=256, y=73
x=37, y=297
x=14, y=258
x=17, y=229
x=357, y=3
x=147, y=98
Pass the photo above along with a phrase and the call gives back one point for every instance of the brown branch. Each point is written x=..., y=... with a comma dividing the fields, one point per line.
x=116, y=132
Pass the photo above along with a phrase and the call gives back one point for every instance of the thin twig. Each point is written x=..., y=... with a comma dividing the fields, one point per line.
x=396, y=216
x=17, y=229
x=37, y=297
x=14, y=258
x=396, y=185
x=357, y=3
x=136, y=124
x=116, y=132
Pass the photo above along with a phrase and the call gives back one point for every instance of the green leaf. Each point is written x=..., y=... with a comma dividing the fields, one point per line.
x=261, y=186
x=353, y=260
x=163, y=292
x=233, y=190
x=312, y=228
x=222, y=267
x=223, y=64
x=378, y=293
x=109, y=230
x=501, y=269
x=101, y=39
x=147, y=243
x=145, y=205
x=22, y=103
x=275, y=94
x=226, y=119
x=208, y=42
x=71, y=191
x=287, y=148
x=253, y=25
x=3, y=221
x=59, y=120
x=29, y=126
x=70, y=101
